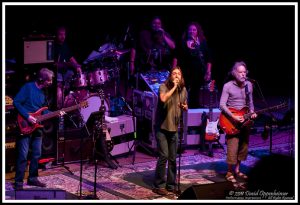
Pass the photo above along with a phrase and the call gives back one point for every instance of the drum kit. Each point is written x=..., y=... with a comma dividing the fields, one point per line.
x=102, y=69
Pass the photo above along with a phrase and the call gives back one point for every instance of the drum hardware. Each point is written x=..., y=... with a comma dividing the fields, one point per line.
x=80, y=81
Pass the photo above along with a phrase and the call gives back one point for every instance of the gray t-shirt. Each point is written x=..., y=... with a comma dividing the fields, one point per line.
x=234, y=96
x=168, y=114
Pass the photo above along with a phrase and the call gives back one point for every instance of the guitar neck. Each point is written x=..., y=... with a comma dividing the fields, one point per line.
x=277, y=107
x=56, y=113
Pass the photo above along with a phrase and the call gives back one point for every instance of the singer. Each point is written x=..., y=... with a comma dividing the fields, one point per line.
x=237, y=94
x=172, y=100
x=194, y=57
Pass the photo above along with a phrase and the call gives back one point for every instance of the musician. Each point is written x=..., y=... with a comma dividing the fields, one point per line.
x=66, y=64
x=237, y=94
x=195, y=59
x=154, y=49
x=30, y=99
x=172, y=100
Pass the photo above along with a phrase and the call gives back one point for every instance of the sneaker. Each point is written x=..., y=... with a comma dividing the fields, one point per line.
x=160, y=191
x=36, y=183
x=172, y=190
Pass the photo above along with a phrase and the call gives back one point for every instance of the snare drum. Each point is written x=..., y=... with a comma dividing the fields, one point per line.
x=80, y=81
x=98, y=77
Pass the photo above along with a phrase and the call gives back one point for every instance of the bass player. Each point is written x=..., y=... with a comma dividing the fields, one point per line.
x=29, y=99
x=236, y=95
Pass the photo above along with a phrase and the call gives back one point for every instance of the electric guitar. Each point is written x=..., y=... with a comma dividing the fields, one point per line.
x=27, y=128
x=105, y=130
x=211, y=130
x=233, y=127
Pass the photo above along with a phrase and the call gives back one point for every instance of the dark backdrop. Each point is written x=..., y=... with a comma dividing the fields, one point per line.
x=262, y=36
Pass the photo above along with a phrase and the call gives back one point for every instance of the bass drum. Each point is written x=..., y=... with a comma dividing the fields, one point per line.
x=74, y=117
x=94, y=103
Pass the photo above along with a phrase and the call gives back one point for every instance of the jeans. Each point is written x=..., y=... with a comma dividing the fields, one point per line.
x=167, y=149
x=23, y=143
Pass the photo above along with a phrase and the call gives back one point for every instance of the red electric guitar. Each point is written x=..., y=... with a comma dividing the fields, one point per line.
x=232, y=127
x=27, y=128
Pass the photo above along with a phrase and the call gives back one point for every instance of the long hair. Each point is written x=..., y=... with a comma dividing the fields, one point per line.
x=200, y=32
x=169, y=83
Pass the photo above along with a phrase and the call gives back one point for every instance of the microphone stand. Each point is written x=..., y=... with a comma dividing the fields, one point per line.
x=178, y=192
x=81, y=155
x=273, y=120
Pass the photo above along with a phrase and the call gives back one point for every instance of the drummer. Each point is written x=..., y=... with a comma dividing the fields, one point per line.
x=65, y=62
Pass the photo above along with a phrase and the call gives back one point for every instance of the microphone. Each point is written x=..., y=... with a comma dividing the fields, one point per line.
x=179, y=88
x=126, y=35
x=251, y=80
x=72, y=93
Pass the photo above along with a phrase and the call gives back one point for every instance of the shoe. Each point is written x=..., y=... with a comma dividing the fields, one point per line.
x=36, y=183
x=172, y=190
x=230, y=177
x=18, y=186
x=160, y=191
x=241, y=175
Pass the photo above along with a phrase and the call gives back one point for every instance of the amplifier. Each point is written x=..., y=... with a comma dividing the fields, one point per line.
x=122, y=133
x=39, y=51
x=122, y=125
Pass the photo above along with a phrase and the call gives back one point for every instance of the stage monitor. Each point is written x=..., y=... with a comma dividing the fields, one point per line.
x=38, y=51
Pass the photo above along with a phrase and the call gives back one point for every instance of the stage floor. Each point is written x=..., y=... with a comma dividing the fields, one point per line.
x=134, y=181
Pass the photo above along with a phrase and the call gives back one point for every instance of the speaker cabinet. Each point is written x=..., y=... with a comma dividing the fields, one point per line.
x=70, y=143
x=207, y=191
x=40, y=194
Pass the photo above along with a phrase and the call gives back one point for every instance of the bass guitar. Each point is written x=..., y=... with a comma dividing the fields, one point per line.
x=233, y=127
x=27, y=127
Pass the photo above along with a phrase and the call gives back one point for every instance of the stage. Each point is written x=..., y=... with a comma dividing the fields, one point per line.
x=134, y=181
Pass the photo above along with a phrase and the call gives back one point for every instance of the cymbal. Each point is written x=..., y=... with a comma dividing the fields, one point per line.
x=9, y=71
x=121, y=52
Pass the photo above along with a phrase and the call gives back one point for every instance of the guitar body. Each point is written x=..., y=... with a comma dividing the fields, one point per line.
x=108, y=141
x=212, y=131
x=232, y=127
x=25, y=126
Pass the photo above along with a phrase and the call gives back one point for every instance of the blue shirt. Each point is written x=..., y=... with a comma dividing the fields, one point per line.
x=29, y=99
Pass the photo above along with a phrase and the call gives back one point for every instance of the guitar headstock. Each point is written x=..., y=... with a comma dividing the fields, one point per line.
x=101, y=93
x=282, y=105
x=84, y=104
x=211, y=86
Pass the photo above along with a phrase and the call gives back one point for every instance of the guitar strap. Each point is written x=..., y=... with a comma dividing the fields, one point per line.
x=247, y=95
